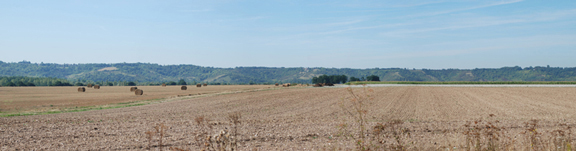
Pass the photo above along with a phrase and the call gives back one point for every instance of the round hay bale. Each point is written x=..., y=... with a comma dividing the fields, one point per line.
x=163, y=84
x=317, y=85
x=205, y=84
x=96, y=86
x=138, y=92
x=81, y=89
x=89, y=85
x=198, y=85
x=183, y=88
x=276, y=84
x=132, y=89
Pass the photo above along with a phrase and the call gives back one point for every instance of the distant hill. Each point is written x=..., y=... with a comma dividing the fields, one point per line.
x=146, y=72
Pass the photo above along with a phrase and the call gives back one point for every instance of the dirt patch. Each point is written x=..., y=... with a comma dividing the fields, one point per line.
x=108, y=69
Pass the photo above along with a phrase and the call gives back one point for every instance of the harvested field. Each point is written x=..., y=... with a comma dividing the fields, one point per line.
x=25, y=99
x=425, y=118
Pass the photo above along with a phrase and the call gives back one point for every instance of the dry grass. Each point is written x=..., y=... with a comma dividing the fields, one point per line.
x=398, y=118
x=24, y=99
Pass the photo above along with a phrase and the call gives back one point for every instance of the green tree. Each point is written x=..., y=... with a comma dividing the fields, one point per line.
x=20, y=84
x=352, y=79
x=131, y=83
x=181, y=82
x=373, y=78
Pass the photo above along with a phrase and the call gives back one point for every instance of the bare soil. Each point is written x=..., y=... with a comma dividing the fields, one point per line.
x=301, y=119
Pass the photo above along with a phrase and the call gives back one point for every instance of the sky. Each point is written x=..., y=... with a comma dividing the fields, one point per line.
x=432, y=34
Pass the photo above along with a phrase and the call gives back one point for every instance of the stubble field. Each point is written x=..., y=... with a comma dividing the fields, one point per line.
x=40, y=99
x=404, y=118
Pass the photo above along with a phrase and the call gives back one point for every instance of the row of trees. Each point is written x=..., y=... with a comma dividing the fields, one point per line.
x=342, y=79
x=330, y=79
x=368, y=78
x=32, y=81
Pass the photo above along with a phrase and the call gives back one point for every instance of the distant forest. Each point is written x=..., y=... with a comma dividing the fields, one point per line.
x=121, y=73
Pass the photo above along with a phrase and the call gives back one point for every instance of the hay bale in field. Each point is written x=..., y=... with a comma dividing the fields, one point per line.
x=81, y=89
x=198, y=85
x=138, y=92
x=132, y=89
x=163, y=84
x=317, y=85
x=276, y=84
x=328, y=84
x=286, y=85
x=183, y=88
x=205, y=84
x=96, y=86
x=89, y=85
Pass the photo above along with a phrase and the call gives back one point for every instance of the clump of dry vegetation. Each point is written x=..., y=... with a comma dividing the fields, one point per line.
x=159, y=129
x=355, y=106
x=226, y=139
x=486, y=135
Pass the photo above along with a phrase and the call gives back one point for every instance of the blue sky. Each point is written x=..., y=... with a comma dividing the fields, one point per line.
x=432, y=34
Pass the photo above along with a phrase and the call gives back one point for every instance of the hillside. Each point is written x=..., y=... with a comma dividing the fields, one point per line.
x=146, y=72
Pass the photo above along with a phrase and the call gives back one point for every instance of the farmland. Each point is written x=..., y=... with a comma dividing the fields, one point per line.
x=414, y=118
x=43, y=99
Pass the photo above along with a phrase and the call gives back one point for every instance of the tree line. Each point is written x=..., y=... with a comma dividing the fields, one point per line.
x=32, y=81
x=340, y=79
x=154, y=74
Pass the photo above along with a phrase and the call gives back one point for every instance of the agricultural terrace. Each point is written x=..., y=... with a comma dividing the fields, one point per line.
x=396, y=118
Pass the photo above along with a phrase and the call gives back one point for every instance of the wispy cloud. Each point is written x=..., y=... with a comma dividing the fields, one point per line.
x=243, y=19
x=488, y=21
x=364, y=28
x=479, y=46
x=344, y=23
x=418, y=3
x=466, y=8
x=194, y=10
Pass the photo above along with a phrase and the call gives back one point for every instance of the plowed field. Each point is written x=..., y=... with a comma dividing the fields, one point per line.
x=304, y=119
